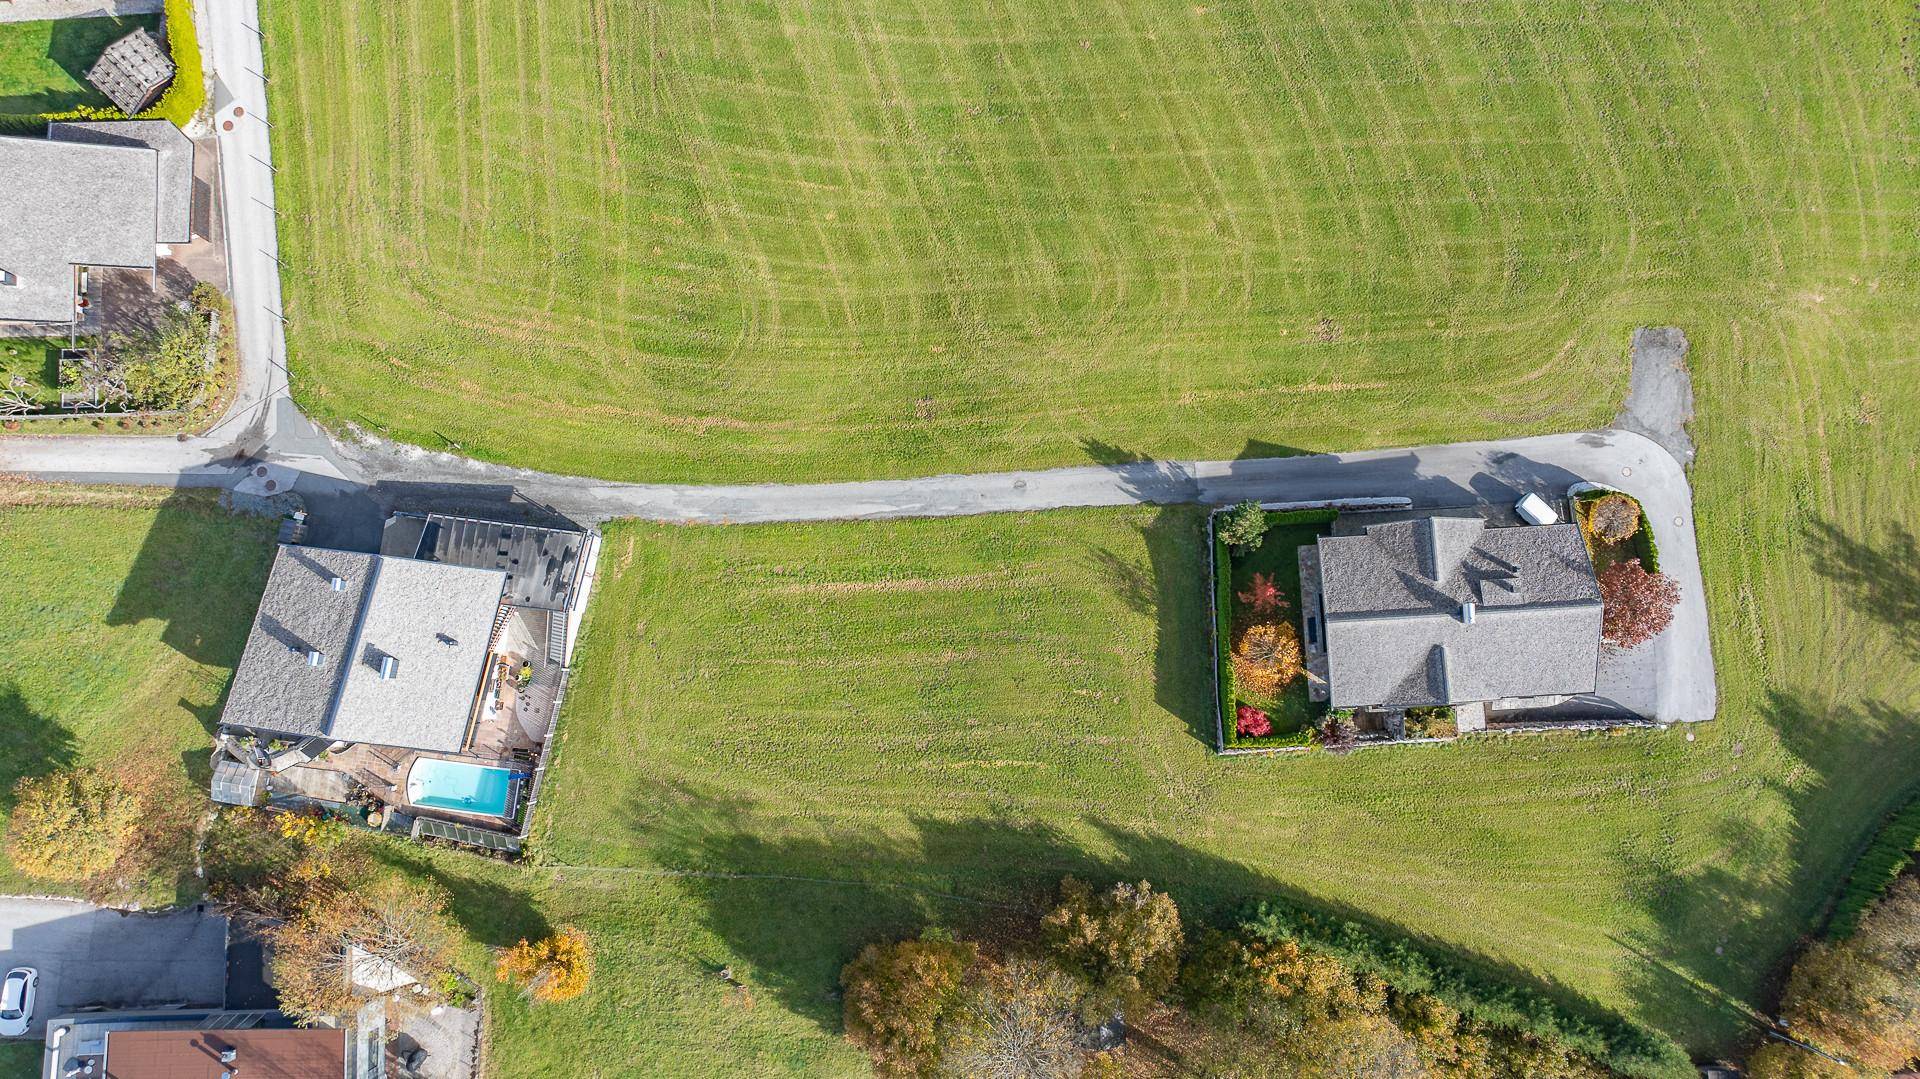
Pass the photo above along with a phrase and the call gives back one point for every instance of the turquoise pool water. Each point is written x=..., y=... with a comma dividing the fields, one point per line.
x=461, y=787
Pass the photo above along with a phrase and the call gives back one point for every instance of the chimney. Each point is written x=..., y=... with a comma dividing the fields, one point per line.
x=228, y=1054
x=1466, y=612
x=389, y=667
x=314, y=657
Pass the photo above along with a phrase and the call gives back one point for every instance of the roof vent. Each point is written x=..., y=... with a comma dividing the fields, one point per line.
x=1466, y=612
x=389, y=667
x=339, y=584
x=229, y=1054
x=314, y=657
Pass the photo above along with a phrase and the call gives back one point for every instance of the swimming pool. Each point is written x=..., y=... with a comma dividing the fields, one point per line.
x=461, y=787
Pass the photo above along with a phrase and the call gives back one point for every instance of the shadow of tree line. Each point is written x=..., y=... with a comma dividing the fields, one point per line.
x=842, y=887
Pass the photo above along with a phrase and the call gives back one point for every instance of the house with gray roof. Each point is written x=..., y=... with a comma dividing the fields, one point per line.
x=422, y=682
x=97, y=194
x=1439, y=610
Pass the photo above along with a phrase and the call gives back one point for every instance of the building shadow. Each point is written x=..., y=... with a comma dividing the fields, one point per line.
x=199, y=571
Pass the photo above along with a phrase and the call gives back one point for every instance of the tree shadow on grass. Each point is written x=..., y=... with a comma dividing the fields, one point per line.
x=1883, y=580
x=792, y=910
x=1737, y=920
x=199, y=570
x=31, y=743
x=494, y=913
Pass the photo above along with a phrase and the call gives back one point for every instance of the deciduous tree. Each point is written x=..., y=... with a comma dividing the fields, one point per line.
x=1123, y=941
x=897, y=997
x=1859, y=997
x=1636, y=604
x=1262, y=597
x=1266, y=657
x=354, y=924
x=554, y=969
x=71, y=825
x=1016, y=1022
x=1614, y=518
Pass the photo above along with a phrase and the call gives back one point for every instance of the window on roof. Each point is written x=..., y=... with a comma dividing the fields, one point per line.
x=7, y=278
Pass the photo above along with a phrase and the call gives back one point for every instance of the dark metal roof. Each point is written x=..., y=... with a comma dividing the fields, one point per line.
x=542, y=564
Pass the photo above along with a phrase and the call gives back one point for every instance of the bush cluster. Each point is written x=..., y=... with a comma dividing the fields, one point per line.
x=1498, y=1008
x=1858, y=998
x=1279, y=994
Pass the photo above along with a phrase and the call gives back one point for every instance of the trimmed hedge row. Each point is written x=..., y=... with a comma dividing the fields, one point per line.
x=1876, y=869
x=1618, y=1043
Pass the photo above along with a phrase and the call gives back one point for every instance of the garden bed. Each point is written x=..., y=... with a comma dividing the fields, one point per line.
x=35, y=362
x=1290, y=710
x=1640, y=545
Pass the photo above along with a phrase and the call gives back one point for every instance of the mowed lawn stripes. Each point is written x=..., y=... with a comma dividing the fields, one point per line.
x=838, y=238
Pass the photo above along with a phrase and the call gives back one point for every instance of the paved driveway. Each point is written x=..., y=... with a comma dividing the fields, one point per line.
x=89, y=955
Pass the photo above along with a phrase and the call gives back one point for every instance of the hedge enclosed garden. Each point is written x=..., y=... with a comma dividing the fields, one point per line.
x=1260, y=658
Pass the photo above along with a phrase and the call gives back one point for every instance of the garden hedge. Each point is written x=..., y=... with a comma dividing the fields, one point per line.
x=1620, y=1044
x=1223, y=633
x=1876, y=869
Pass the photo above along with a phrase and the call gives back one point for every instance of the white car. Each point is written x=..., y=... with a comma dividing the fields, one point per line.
x=16, y=1001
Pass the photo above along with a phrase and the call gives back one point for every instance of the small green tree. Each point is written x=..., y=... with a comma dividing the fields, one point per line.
x=71, y=825
x=166, y=369
x=1244, y=527
x=897, y=996
x=1124, y=942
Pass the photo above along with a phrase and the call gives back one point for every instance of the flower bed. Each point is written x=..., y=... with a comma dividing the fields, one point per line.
x=1287, y=715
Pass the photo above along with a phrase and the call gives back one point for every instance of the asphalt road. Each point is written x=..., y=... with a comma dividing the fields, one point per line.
x=90, y=955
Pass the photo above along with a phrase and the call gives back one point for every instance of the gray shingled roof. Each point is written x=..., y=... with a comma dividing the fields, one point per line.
x=434, y=620
x=132, y=71
x=1396, y=632
x=174, y=223
x=68, y=204
x=275, y=688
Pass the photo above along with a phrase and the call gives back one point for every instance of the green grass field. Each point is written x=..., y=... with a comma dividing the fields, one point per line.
x=126, y=611
x=830, y=239
x=43, y=65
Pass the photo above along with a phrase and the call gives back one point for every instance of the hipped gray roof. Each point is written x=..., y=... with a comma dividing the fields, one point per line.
x=67, y=204
x=434, y=622
x=1398, y=633
x=132, y=71
x=174, y=196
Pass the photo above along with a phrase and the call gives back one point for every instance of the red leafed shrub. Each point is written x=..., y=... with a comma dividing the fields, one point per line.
x=1251, y=722
x=1262, y=596
x=1637, y=605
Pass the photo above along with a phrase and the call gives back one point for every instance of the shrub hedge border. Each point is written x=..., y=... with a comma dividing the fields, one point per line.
x=182, y=99
x=1622, y=1045
x=1886, y=856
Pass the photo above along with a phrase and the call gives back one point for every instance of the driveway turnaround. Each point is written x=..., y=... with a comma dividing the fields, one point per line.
x=90, y=956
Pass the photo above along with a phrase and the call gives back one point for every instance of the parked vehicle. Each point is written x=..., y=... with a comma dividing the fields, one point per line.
x=16, y=1001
